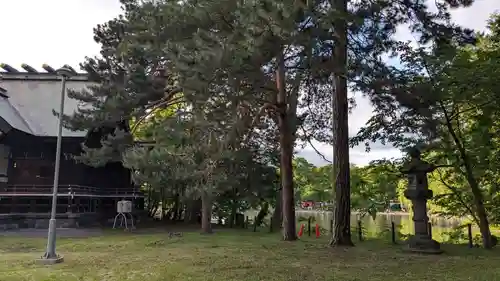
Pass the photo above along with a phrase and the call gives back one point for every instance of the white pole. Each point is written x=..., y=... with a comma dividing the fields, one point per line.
x=51, y=239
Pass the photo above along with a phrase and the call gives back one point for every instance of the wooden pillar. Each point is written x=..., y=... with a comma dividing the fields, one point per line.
x=77, y=203
x=71, y=205
x=14, y=207
x=140, y=203
x=32, y=207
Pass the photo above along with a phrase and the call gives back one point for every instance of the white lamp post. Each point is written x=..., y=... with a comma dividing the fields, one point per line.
x=50, y=256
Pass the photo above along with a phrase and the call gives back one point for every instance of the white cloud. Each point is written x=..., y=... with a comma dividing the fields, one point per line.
x=477, y=15
x=60, y=32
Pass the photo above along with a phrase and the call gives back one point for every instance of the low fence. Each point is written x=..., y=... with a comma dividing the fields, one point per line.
x=463, y=234
x=66, y=190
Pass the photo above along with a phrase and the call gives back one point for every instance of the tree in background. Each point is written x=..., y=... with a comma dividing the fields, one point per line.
x=313, y=183
x=448, y=104
x=373, y=187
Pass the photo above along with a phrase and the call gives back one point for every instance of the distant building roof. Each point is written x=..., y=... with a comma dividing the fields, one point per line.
x=27, y=99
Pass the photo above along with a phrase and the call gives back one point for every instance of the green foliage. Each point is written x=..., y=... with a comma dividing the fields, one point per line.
x=314, y=183
x=372, y=186
x=196, y=81
x=446, y=102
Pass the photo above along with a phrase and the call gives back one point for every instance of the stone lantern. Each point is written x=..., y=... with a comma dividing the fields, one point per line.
x=418, y=192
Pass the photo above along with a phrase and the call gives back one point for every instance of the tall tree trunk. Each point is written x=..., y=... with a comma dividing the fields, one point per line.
x=340, y=107
x=278, y=211
x=189, y=211
x=286, y=151
x=175, y=208
x=164, y=209
x=484, y=226
x=192, y=209
x=234, y=210
x=162, y=203
x=206, y=213
x=288, y=203
x=153, y=207
x=178, y=212
x=264, y=210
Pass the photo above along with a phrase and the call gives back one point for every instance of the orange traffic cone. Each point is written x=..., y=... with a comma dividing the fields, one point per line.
x=301, y=231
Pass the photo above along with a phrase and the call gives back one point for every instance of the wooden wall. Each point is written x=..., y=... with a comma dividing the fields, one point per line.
x=32, y=161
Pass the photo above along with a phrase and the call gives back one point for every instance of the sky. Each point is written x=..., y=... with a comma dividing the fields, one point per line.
x=59, y=32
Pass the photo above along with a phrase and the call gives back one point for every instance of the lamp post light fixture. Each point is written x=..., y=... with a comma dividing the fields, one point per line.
x=50, y=256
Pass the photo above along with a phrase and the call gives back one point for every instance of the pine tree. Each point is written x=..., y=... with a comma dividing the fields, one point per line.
x=362, y=61
x=238, y=64
x=130, y=79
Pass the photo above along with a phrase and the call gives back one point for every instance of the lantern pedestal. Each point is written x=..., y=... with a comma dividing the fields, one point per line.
x=418, y=192
x=423, y=244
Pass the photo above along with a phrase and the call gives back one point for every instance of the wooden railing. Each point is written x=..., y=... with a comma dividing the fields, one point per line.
x=69, y=190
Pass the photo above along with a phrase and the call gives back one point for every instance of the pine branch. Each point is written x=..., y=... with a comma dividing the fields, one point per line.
x=165, y=103
x=308, y=139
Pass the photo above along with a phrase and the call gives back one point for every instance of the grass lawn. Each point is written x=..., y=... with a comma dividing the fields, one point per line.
x=236, y=255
